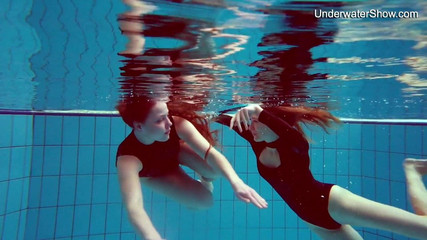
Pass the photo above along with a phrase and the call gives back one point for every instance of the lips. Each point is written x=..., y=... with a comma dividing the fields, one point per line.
x=167, y=132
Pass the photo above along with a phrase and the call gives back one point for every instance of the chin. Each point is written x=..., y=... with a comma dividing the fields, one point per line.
x=256, y=139
x=164, y=139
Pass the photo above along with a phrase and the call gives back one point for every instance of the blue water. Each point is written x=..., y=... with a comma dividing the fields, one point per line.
x=62, y=55
x=58, y=179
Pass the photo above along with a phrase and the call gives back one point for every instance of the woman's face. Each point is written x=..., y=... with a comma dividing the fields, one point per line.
x=157, y=126
x=259, y=130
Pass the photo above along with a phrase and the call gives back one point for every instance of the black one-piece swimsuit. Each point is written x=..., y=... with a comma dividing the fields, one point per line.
x=158, y=158
x=292, y=179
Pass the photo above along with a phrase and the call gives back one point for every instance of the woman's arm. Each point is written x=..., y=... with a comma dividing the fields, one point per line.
x=128, y=168
x=200, y=145
x=225, y=120
x=242, y=119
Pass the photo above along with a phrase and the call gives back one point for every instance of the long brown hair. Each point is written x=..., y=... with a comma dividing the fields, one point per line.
x=187, y=111
x=297, y=115
x=136, y=109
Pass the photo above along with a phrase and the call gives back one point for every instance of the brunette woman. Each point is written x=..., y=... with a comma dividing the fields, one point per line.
x=152, y=155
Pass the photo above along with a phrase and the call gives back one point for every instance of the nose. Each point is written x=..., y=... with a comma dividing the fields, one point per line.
x=168, y=122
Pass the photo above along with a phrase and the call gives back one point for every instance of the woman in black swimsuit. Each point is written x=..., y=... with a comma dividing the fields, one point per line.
x=282, y=159
x=153, y=152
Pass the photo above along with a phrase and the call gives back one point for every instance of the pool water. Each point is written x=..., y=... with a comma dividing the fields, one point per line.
x=58, y=179
x=64, y=55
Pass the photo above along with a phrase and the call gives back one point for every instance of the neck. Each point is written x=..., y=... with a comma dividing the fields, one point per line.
x=142, y=138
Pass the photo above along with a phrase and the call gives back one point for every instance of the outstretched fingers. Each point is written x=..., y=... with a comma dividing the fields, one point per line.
x=257, y=200
x=253, y=197
x=415, y=165
x=239, y=121
x=242, y=116
x=246, y=118
x=235, y=120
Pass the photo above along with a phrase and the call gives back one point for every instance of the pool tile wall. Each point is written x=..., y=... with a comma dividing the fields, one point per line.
x=15, y=160
x=69, y=189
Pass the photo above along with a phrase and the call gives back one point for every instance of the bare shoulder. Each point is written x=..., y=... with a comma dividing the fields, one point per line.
x=128, y=164
x=179, y=120
x=182, y=124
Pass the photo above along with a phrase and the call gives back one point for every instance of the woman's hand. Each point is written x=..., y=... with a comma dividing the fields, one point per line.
x=244, y=115
x=248, y=195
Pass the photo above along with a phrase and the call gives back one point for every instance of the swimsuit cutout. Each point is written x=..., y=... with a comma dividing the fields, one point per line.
x=292, y=179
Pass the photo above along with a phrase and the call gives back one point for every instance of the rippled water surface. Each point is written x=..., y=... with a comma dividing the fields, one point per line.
x=66, y=55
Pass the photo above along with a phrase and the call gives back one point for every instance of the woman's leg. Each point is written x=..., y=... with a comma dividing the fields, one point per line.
x=346, y=232
x=190, y=159
x=348, y=208
x=415, y=169
x=181, y=188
